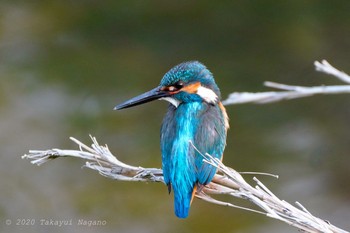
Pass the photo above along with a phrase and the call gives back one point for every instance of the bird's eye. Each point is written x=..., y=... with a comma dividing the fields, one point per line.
x=177, y=86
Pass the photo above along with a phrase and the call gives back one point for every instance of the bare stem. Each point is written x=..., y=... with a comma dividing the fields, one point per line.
x=292, y=92
x=226, y=182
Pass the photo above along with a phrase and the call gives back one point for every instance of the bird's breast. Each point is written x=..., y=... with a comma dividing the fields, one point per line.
x=178, y=131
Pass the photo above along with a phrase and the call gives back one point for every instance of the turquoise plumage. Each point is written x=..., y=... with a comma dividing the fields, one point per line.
x=195, y=119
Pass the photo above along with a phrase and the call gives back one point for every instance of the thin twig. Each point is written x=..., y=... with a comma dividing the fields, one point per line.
x=327, y=68
x=292, y=92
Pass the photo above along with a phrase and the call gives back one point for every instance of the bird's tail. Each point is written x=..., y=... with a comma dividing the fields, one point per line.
x=182, y=202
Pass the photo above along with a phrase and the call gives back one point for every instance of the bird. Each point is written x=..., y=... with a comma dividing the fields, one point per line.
x=196, y=123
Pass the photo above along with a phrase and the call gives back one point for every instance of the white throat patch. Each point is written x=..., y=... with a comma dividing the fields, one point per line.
x=207, y=94
x=171, y=100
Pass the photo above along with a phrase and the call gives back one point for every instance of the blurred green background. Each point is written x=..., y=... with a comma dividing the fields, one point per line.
x=66, y=64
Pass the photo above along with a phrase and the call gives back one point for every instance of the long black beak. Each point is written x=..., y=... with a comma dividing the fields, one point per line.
x=153, y=94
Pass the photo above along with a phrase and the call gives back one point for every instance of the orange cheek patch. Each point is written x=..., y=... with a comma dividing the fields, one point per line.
x=192, y=88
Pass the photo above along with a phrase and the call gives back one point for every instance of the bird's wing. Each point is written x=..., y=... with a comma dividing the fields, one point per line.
x=210, y=138
x=167, y=134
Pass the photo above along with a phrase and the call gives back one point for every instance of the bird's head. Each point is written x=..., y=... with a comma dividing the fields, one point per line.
x=186, y=82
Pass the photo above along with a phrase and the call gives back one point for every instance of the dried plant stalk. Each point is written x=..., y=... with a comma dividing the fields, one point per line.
x=226, y=182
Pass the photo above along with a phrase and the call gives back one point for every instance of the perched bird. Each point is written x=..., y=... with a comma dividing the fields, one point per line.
x=195, y=123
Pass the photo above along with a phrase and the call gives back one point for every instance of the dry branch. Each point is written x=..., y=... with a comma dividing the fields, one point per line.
x=226, y=182
x=292, y=92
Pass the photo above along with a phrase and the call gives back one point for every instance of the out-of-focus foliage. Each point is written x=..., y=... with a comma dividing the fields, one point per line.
x=66, y=64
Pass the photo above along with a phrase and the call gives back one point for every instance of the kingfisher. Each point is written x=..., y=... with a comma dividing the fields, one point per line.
x=196, y=123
